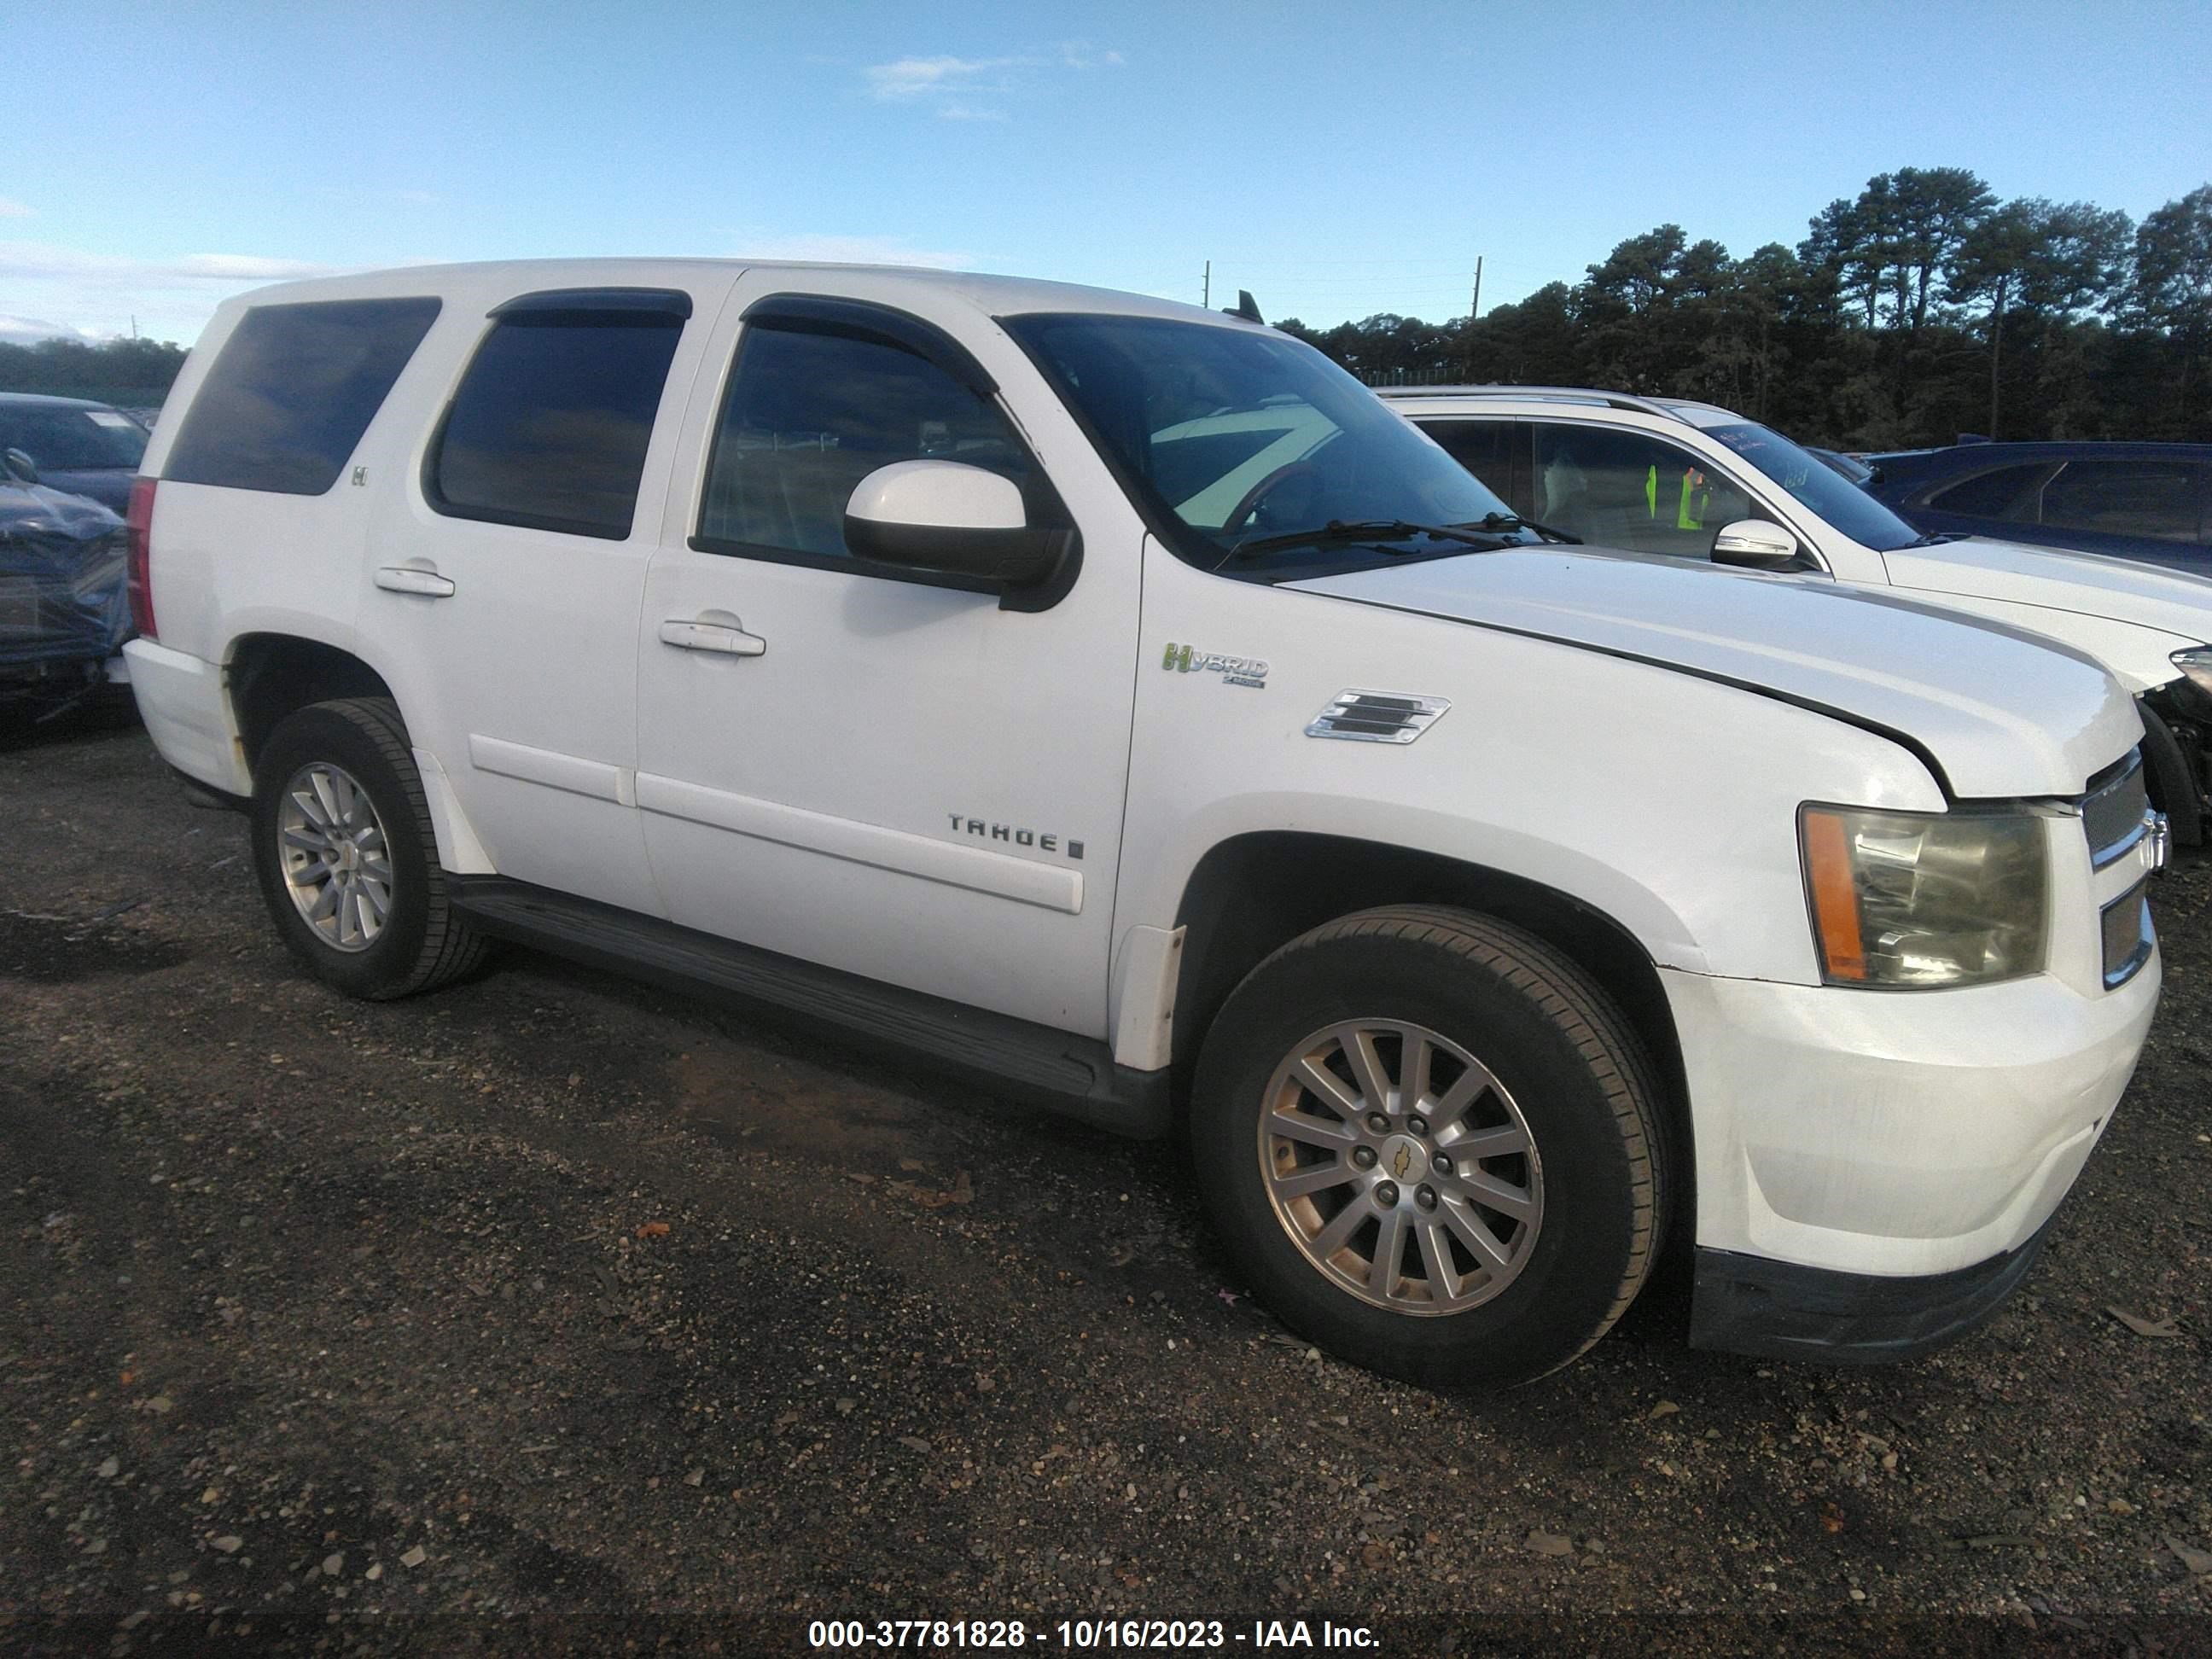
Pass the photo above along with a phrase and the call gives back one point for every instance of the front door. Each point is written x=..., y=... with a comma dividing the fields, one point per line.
x=842, y=763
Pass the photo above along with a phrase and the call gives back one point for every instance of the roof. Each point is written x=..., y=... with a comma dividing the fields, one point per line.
x=1679, y=409
x=990, y=295
x=2050, y=449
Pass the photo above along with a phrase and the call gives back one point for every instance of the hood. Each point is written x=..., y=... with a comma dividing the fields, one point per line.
x=2085, y=584
x=2003, y=713
x=33, y=511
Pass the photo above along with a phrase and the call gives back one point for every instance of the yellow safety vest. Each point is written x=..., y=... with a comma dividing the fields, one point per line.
x=1688, y=515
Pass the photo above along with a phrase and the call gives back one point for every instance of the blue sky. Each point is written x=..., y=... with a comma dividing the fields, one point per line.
x=1337, y=160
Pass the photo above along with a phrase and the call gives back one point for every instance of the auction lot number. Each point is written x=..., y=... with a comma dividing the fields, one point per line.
x=1079, y=1633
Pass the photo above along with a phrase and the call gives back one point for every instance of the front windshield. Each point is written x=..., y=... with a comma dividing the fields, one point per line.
x=1818, y=486
x=1242, y=435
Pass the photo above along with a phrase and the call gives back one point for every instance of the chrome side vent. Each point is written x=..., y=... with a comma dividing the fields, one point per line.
x=2116, y=813
x=1377, y=717
x=2129, y=939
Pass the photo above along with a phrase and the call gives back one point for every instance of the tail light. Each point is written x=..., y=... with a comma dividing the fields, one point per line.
x=140, y=523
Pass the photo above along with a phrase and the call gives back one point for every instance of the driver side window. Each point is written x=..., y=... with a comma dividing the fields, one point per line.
x=1620, y=488
x=809, y=414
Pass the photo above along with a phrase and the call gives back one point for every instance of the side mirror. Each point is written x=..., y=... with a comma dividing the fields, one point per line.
x=22, y=466
x=951, y=519
x=1754, y=544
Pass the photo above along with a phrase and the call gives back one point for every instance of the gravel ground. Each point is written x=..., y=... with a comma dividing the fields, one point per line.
x=550, y=1312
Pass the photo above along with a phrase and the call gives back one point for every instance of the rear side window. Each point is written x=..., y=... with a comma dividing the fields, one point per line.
x=549, y=425
x=292, y=390
x=2006, y=493
x=2124, y=498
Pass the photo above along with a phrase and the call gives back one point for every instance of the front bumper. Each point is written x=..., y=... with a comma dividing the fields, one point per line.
x=1873, y=1170
x=1778, y=1310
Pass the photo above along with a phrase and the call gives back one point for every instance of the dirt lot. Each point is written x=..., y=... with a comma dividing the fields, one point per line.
x=551, y=1312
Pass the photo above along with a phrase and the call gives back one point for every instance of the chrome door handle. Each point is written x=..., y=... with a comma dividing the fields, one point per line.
x=711, y=636
x=413, y=579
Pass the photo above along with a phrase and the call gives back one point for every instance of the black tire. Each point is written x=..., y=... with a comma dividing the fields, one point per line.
x=1555, y=1044
x=423, y=942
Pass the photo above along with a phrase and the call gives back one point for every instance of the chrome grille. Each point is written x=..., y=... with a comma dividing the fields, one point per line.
x=2128, y=935
x=1377, y=717
x=2116, y=813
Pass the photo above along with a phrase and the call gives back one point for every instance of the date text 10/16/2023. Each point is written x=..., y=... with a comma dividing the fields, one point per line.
x=1083, y=1635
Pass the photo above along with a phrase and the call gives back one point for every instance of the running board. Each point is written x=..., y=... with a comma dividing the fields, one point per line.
x=1072, y=1075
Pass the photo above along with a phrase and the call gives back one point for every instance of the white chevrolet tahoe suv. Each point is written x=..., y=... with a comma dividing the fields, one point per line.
x=880, y=646
x=1669, y=476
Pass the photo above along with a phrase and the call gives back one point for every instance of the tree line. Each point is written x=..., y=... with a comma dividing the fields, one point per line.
x=1922, y=309
x=133, y=373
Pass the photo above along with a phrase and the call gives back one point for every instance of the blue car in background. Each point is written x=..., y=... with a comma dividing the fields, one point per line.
x=2146, y=502
x=64, y=607
x=80, y=447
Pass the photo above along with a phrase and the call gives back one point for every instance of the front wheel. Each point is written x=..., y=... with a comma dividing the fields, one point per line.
x=1430, y=1142
x=346, y=856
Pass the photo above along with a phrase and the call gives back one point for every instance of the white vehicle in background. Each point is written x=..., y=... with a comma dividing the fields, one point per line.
x=1671, y=476
x=1113, y=701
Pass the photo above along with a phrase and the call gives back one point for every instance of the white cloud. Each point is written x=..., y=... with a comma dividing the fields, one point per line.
x=12, y=209
x=962, y=87
x=816, y=248
x=103, y=294
x=915, y=77
x=28, y=331
x=1082, y=55
x=37, y=261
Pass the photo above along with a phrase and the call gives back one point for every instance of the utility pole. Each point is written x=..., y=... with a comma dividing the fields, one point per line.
x=1475, y=309
x=1205, y=292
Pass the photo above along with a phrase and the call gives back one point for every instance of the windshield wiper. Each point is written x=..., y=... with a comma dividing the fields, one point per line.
x=1515, y=521
x=1483, y=535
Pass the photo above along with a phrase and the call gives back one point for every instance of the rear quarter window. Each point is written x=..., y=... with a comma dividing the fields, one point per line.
x=292, y=391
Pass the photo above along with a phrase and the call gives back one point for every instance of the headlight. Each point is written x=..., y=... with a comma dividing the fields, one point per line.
x=1911, y=900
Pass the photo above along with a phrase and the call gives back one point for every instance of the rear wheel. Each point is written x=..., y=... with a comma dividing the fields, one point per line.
x=1431, y=1143
x=346, y=856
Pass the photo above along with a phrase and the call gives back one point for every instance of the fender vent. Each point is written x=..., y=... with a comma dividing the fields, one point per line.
x=1377, y=717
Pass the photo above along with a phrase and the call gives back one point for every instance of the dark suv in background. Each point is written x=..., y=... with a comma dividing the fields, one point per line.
x=79, y=447
x=2148, y=502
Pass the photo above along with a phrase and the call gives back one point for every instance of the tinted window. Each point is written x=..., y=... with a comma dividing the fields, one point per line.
x=1483, y=448
x=1620, y=488
x=61, y=438
x=549, y=425
x=2124, y=498
x=292, y=390
x=2006, y=493
x=810, y=415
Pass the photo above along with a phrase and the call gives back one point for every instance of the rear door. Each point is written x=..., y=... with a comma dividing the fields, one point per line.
x=840, y=762
x=505, y=575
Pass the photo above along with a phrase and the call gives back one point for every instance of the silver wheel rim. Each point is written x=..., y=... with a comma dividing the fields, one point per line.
x=336, y=859
x=1401, y=1168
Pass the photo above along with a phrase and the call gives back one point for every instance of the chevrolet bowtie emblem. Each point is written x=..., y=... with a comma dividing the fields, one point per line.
x=1403, y=1162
